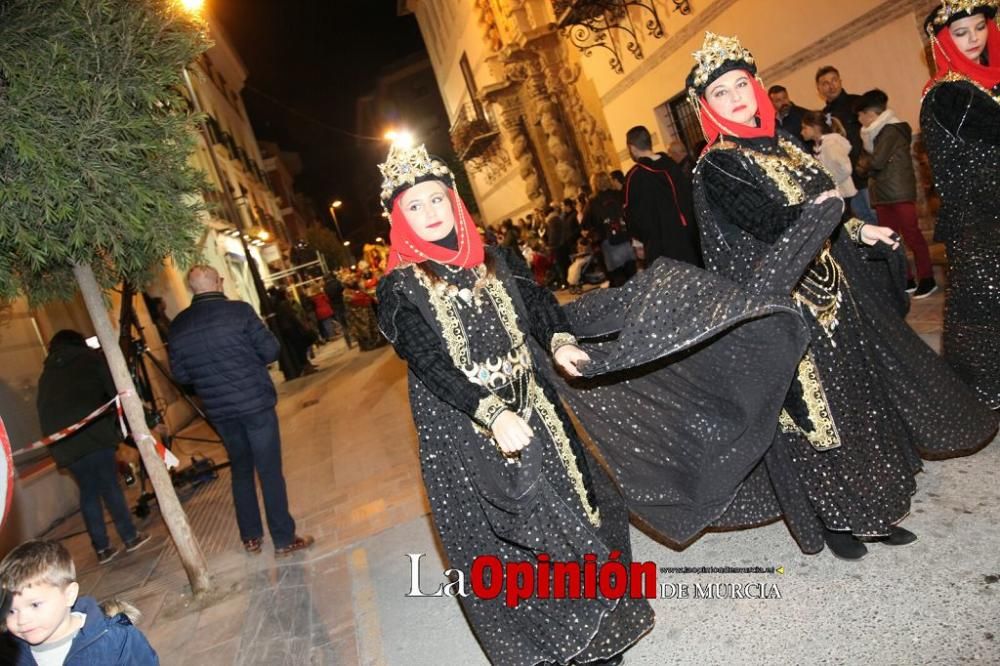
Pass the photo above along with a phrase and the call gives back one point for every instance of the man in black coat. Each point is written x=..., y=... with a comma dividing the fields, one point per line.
x=223, y=349
x=659, y=210
x=840, y=104
x=788, y=113
x=75, y=381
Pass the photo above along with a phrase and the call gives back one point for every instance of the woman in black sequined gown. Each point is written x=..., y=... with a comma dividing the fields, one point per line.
x=869, y=394
x=504, y=471
x=960, y=122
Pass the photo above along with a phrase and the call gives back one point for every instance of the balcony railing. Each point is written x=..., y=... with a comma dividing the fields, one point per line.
x=590, y=24
x=472, y=134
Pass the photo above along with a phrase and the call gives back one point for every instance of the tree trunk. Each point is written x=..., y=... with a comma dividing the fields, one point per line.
x=170, y=507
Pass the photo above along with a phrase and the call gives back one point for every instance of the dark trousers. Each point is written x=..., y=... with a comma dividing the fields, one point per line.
x=253, y=442
x=97, y=476
x=902, y=218
x=341, y=316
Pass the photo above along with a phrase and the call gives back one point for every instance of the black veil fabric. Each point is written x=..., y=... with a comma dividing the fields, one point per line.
x=689, y=372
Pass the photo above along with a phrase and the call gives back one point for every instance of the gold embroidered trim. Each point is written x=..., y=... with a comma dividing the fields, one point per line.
x=824, y=435
x=489, y=409
x=853, y=228
x=492, y=405
x=547, y=414
x=819, y=291
x=956, y=77
x=505, y=309
x=561, y=340
x=788, y=170
x=454, y=335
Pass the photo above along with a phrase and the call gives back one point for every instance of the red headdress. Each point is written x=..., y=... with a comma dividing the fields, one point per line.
x=404, y=168
x=407, y=246
x=948, y=58
x=717, y=56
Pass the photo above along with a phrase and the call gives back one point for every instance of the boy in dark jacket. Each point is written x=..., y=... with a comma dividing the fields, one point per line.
x=75, y=381
x=892, y=184
x=51, y=624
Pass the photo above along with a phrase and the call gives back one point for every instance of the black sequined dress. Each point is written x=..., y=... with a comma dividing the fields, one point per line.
x=960, y=123
x=468, y=337
x=868, y=395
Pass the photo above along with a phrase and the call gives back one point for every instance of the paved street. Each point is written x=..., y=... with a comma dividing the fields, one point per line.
x=351, y=464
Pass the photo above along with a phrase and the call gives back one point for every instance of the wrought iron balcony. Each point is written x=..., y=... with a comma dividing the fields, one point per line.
x=588, y=24
x=472, y=134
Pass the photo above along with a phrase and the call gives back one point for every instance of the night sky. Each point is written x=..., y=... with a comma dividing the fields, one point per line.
x=308, y=62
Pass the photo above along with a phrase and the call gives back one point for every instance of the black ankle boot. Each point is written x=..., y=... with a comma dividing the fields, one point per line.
x=898, y=536
x=844, y=545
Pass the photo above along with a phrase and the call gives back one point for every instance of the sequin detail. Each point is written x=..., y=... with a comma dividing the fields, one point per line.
x=822, y=433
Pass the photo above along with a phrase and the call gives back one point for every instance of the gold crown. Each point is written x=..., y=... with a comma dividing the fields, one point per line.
x=951, y=7
x=404, y=166
x=714, y=51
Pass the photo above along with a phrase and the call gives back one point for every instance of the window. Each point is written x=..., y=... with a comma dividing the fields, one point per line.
x=678, y=121
x=470, y=85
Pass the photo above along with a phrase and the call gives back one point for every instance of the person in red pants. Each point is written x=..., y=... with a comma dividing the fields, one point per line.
x=892, y=184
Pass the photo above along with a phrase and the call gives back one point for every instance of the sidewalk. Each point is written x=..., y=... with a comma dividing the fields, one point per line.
x=354, y=483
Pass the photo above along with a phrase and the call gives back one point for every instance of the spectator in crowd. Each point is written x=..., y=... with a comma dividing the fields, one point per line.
x=840, y=104
x=334, y=291
x=658, y=208
x=296, y=334
x=558, y=239
x=829, y=138
x=50, y=623
x=223, y=349
x=324, y=313
x=892, y=183
x=75, y=381
x=604, y=219
x=789, y=114
x=678, y=152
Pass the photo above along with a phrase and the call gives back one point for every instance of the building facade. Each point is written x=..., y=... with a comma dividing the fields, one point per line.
x=540, y=93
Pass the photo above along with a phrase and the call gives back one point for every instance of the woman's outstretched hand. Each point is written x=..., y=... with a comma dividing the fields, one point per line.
x=511, y=432
x=568, y=357
x=872, y=234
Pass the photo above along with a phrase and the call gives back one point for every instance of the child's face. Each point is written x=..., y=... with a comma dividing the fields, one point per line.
x=40, y=613
x=867, y=117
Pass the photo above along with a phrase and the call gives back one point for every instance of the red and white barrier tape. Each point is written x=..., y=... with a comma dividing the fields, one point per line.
x=168, y=458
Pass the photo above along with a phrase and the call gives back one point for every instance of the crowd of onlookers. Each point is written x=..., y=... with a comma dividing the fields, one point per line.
x=619, y=222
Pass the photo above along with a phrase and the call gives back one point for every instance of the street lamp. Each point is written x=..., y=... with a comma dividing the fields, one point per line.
x=333, y=213
x=401, y=138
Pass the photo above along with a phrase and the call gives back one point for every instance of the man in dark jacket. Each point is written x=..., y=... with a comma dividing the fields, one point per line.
x=840, y=104
x=659, y=210
x=223, y=349
x=788, y=113
x=334, y=291
x=75, y=381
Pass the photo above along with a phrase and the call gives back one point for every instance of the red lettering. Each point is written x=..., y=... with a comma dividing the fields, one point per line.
x=520, y=582
x=481, y=566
